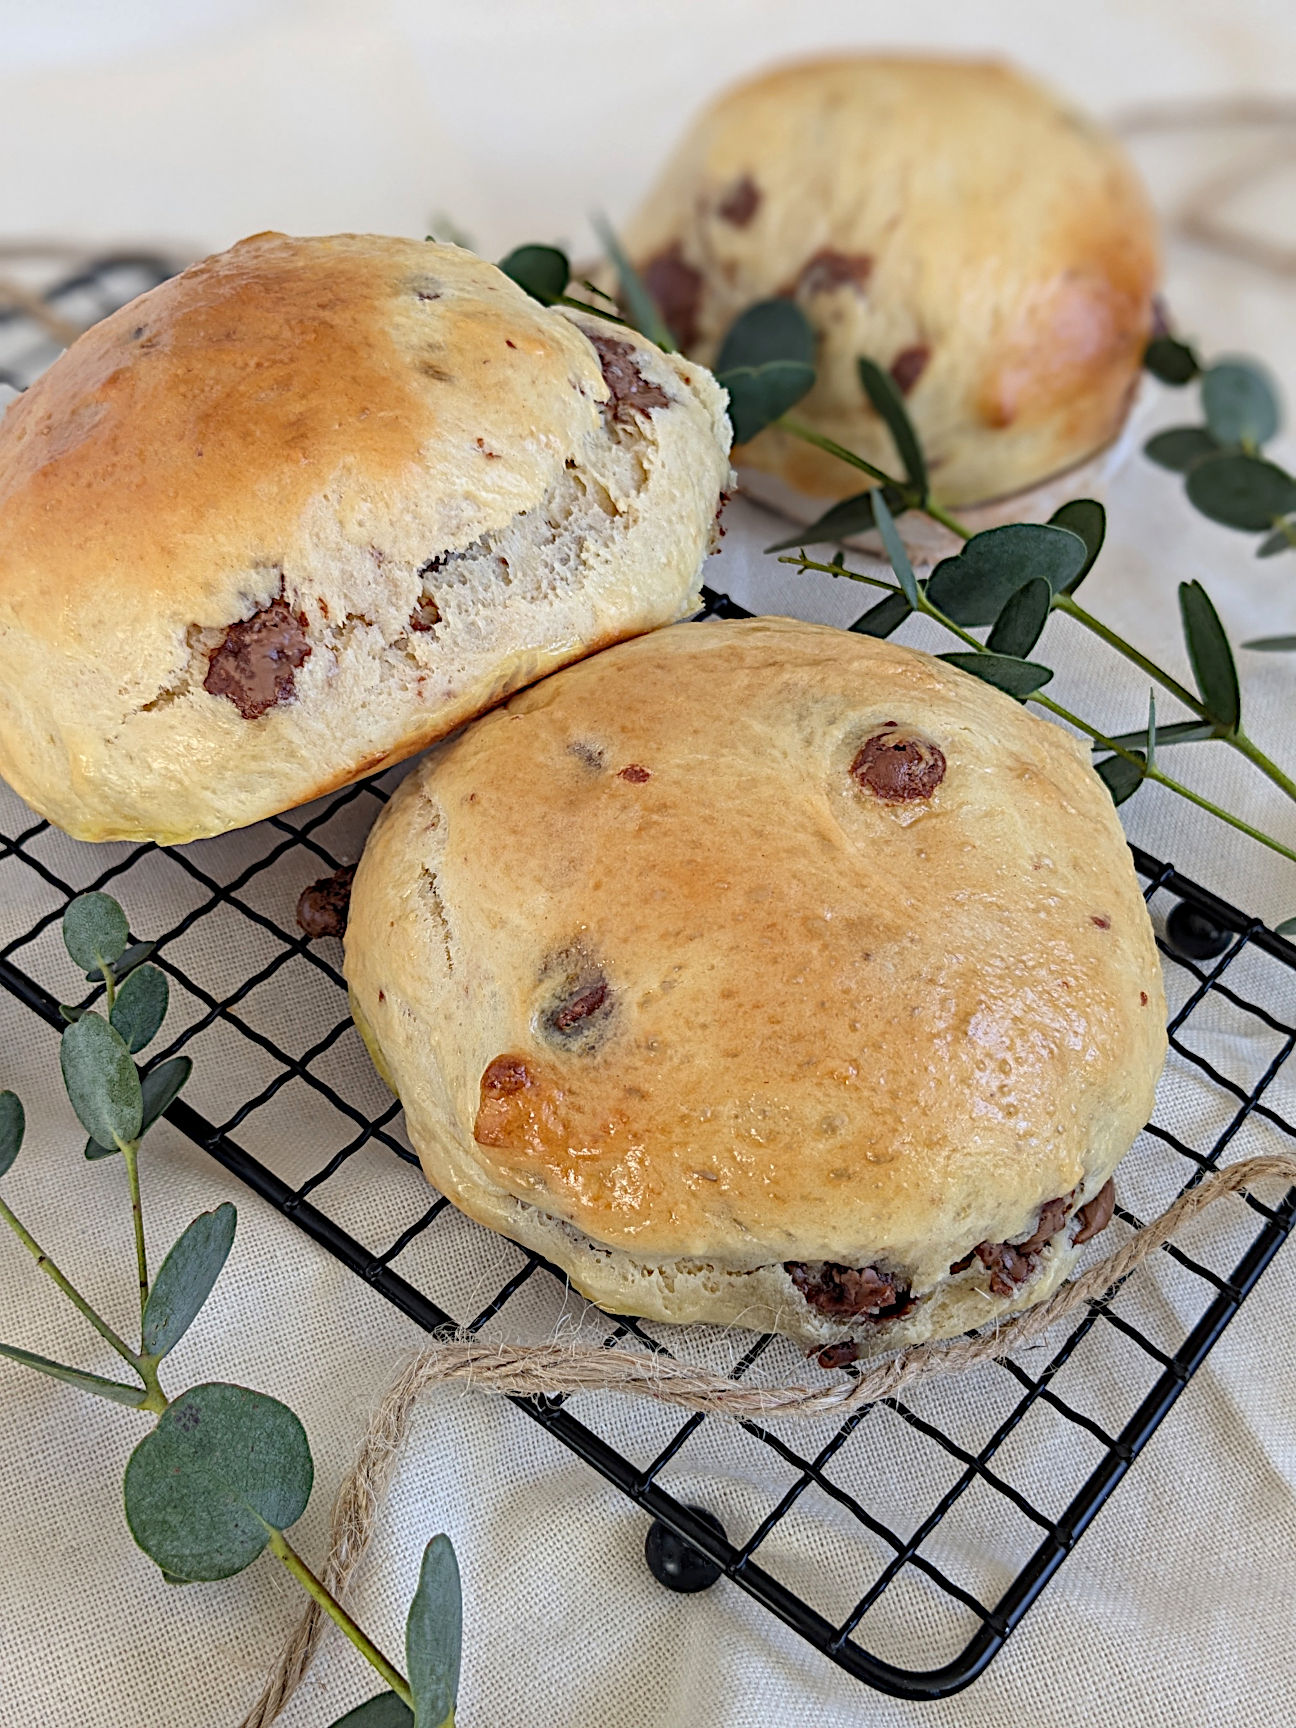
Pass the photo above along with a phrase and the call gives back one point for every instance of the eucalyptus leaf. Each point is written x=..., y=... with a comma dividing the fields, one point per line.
x=135, y=955
x=170, y=1578
x=1283, y=539
x=69, y=1013
x=1178, y=447
x=95, y=931
x=1121, y=776
x=1180, y=732
x=1019, y=678
x=223, y=1468
x=13, y=1125
x=639, y=303
x=1211, y=656
x=1087, y=518
x=759, y=394
x=848, y=516
x=771, y=330
x=133, y=1396
x=880, y=388
x=1286, y=928
x=1151, y=731
x=384, y=1711
x=1172, y=361
x=884, y=618
x=895, y=551
x=102, y=1082
x=158, y=1090
x=1272, y=644
x=185, y=1279
x=974, y=586
x=434, y=1635
x=1240, y=491
x=1021, y=623
x=542, y=271
x=1241, y=403
x=140, y=1007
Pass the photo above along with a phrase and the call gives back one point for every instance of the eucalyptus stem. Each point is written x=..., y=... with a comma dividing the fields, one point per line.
x=110, y=986
x=1152, y=772
x=130, y=1152
x=1235, y=738
x=283, y=1551
x=73, y=1295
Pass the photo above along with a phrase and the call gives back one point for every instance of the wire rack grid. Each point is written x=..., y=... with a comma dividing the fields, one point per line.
x=943, y=1529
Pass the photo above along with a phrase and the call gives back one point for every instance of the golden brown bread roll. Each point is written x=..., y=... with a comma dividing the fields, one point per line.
x=952, y=221
x=767, y=974
x=314, y=503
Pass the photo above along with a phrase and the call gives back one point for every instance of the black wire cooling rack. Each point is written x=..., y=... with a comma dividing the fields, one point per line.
x=237, y=964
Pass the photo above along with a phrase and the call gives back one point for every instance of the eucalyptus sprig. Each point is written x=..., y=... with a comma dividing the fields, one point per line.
x=1012, y=578
x=226, y=1471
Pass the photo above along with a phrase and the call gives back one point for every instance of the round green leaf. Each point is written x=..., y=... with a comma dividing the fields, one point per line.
x=185, y=1278
x=102, y=1082
x=1121, y=777
x=95, y=931
x=880, y=620
x=158, y=1089
x=1019, y=678
x=1211, y=656
x=223, y=1467
x=1171, y=361
x=1240, y=402
x=769, y=331
x=1178, y=447
x=1021, y=623
x=974, y=587
x=1243, y=492
x=13, y=1124
x=759, y=394
x=1272, y=644
x=1286, y=928
x=135, y=955
x=542, y=271
x=140, y=1007
x=384, y=1711
x=434, y=1635
x=1087, y=518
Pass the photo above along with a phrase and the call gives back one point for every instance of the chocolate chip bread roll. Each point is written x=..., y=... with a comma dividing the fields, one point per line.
x=311, y=505
x=953, y=221
x=809, y=986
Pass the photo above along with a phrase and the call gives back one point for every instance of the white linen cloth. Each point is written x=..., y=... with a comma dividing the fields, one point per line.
x=1175, y=1607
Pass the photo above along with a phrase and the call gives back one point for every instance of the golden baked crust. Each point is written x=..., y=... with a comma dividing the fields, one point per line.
x=415, y=473
x=754, y=943
x=949, y=219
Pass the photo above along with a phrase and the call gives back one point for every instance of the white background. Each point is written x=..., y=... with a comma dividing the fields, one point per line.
x=195, y=123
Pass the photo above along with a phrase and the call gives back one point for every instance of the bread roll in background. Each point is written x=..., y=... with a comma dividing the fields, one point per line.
x=809, y=986
x=982, y=241
x=294, y=514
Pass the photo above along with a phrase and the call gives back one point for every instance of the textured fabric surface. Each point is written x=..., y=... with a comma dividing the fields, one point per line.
x=1175, y=1606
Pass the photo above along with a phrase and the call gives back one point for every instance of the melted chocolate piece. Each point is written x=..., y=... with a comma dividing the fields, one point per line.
x=839, y=1355
x=1097, y=1215
x=323, y=907
x=899, y=767
x=676, y=289
x=908, y=367
x=827, y=270
x=635, y=774
x=741, y=202
x=630, y=389
x=256, y=659
x=570, y=1016
x=1010, y=1264
x=849, y=1292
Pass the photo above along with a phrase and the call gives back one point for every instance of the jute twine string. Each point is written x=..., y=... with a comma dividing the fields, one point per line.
x=547, y=1369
